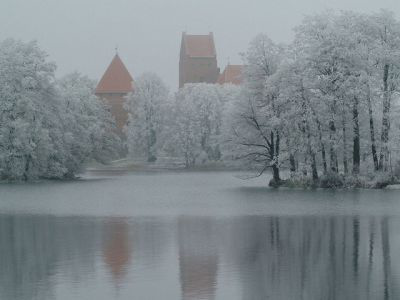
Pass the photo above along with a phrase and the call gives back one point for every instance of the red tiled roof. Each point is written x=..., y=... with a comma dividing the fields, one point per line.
x=116, y=79
x=199, y=45
x=232, y=74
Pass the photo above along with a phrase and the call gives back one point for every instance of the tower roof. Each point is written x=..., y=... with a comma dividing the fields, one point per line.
x=116, y=79
x=199, y=45
x=232, y=74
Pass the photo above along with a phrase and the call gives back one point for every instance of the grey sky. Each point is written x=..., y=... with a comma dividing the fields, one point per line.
x=82, y=34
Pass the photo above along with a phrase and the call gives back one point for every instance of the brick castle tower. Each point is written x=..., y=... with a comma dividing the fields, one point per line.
x=198, y=59
x=115, y=84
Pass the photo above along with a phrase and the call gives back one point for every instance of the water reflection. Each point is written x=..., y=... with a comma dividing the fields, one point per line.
x=35, y=249
x=315, y=258
x=117, y=248
x=248, y=257
x=198, y=257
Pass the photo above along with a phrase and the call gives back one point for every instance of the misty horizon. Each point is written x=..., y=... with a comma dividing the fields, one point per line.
x=85, y=41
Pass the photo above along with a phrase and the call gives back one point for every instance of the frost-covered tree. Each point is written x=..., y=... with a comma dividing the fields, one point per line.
x=146, y=108
x=258, y=122
x=28, y=113
x=301, y=130
x=184, y=131
x=353, y=60
x=196, y=128
x=384, y=29
x=89, y=129
x=48, y=129
x=321, y=46
x=324, y=102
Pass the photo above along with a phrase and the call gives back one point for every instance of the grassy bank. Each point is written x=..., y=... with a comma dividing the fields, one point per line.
x=340, y=181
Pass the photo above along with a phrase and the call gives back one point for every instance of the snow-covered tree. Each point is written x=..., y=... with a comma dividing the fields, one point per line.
x=28, y=113
x=196, y=128
x=89, y=129
x=258, y=119
x=185, y=135
x=384, y=29
x=322, y=101
x=353, y=60
x=146, y=107
x=48, y=129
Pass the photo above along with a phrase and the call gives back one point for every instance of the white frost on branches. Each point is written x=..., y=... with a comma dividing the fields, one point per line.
x=48, y=129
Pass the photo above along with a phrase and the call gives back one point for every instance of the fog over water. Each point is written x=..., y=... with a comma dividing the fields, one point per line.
x=82, y=35
x=197, y=235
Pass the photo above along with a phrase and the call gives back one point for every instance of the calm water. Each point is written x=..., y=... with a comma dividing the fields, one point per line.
x=202, y=235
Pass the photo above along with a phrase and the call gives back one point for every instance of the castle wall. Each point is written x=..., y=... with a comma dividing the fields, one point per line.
x=198, y=69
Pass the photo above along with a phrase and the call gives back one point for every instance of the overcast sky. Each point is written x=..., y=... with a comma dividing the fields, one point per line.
x=82, y=34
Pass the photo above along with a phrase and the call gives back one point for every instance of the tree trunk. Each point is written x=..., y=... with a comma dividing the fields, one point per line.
x=274, y=153
x=276, y=160
x=292, y=159
x=384, y=154
x=356, y=138
x=314, y=167
x=311, y=153
x=321, y=143
x=310, y=150
x=292, y=165
x=323, y=154
x=345, y=164
x=333, y=163
x=275, y=174
x=152, y=139
x=27, y=167
x=372, y=131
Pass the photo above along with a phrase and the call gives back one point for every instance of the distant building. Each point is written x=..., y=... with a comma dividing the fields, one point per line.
x=198, y=59
x=232, y=74
x=115, y=84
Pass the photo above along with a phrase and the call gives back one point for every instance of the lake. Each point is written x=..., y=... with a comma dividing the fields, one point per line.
x=195, y=235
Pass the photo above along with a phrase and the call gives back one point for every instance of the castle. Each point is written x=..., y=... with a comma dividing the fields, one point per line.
x=112, y=88
x=198, y=59
x=197, y=63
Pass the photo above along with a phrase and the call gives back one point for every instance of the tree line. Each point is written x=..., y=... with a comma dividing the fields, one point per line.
x=323, y=107
x=328, y=102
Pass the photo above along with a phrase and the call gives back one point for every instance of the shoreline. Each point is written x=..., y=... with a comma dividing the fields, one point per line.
x=341, y=182
x=380, y=181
